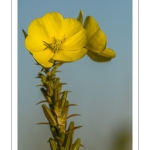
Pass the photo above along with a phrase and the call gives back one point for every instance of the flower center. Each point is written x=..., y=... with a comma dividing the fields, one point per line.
x=55, y=45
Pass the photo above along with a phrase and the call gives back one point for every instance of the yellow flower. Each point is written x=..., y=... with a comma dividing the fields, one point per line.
x=97, y=41
x=54, y=38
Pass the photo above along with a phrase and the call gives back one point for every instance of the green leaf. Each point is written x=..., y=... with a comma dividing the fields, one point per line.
x=53, y=144
x=69, y=138
x=76, y=144
x=49, y=115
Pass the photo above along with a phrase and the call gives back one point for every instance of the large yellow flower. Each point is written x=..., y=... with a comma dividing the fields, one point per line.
x=97, y=40
x=54, y=38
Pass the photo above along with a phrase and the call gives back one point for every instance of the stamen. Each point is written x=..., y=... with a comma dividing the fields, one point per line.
x=55, y=45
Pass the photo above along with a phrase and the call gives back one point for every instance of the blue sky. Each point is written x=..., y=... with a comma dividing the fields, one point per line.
x=103, y=91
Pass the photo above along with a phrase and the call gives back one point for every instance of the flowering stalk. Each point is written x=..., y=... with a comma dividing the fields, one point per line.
x=53, y=40
x=57, y=112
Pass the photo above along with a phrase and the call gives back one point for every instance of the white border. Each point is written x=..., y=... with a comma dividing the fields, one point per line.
x=144, y=74
x=14, y=75
x=135, y=70
x=5, y=75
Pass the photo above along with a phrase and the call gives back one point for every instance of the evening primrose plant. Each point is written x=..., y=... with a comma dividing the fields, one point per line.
x=53, y=41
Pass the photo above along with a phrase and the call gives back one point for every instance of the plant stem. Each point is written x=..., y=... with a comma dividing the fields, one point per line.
x=57, y=111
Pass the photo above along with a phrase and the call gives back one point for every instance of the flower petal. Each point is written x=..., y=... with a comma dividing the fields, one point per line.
x=69, y=56
x=34, y=43
x=53, y=23
x=98, y=58
x=97, y=42
x=91, y=26
x=77, y=41
x=43, y=58
x=37, y=29
x=71, y=27
x=109, y=53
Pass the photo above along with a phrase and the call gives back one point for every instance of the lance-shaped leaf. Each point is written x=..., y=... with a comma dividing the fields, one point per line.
x=65, y=110
x=44, y=101
x=63, y=98
x=69, y=136
x=55, y=131
x=76, y=144
x=39, y=85
x=44, y=92
x=50, y=88
x=62, y=136
x=53, y=144
x=57, y=81
x=73, y=115
x=49, y=115
x=44, y=80
x=46, y=123
x=56, y=89
x=66, y=106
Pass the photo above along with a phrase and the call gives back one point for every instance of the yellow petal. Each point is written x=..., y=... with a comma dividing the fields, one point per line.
x=98, y=58
x=69, y=56
x=77, y=41
x=109, y=53
x=91, y=25
x=71, y=27
x=37, y=29
x=53, y=23
x=43, y=58
x=80, y=16
x=97, y=42
x=34, y=44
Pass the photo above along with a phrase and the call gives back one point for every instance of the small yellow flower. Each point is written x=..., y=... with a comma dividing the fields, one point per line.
x=54, y=38
x=96, y=43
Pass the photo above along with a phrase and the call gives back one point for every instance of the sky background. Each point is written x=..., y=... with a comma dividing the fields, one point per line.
x=103, y=91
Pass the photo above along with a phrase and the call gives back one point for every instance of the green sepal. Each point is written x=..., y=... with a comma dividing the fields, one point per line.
x=49, y=115
x=53, y=144
x=80, y=17
x=25, y=34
